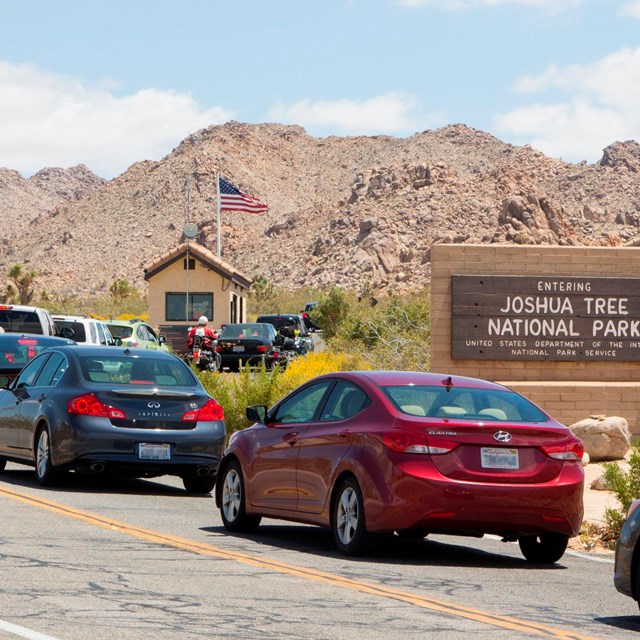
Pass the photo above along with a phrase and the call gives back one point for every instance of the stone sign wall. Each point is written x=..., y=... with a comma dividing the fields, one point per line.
x=559, y=324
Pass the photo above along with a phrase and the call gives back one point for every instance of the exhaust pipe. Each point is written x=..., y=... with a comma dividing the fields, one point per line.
x=203, y=471
x=97, y=467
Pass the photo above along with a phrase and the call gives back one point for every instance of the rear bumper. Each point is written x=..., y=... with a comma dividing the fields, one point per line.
x=234, y=361
x=439, y=504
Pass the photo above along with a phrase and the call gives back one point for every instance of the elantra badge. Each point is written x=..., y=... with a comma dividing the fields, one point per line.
x=153, y=405
x=502, y=436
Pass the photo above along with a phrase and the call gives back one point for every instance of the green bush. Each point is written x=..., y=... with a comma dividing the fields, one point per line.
x=625, y=486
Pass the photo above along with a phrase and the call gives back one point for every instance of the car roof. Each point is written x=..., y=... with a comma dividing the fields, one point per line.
x=103, y=351
x=126, y=323
x=391, y=378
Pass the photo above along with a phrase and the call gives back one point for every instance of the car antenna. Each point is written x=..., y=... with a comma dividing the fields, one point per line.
x=448, y=383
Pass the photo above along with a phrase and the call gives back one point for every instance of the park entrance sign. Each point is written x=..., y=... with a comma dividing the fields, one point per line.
x=497, y=317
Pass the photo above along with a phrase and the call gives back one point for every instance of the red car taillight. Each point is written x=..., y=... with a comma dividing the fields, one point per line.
x=568, y=450
x=261, y=348
x=409, y=442
x=89, y=405
x=210, y=412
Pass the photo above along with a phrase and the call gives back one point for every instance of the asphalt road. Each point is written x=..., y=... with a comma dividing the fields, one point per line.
x=125, y=560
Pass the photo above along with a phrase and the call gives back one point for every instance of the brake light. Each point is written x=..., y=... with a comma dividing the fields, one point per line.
x=26, y=341
x=261, y=348
x=569, y=450
x=210, y=412
x=6, y=307
x=89, y=405
x=409, y=442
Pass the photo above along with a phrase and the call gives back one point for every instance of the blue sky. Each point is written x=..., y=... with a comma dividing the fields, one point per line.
x=111, y=83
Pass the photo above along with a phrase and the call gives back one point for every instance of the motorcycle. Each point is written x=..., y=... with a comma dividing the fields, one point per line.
x=202, y=354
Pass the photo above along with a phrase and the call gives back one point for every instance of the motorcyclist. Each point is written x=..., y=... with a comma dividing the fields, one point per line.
x=288, y=330
x=203, y=330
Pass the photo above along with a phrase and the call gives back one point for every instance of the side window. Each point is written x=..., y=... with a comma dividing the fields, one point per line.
x=303, y=405
x=101, y=337
x=93, y=332
x=152, y=334
x=52, y=371
x=345, y=401
x=29, y=373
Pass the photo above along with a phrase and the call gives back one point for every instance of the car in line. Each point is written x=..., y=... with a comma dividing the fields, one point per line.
x=294, y=322
x=16, y=318
x=250, y=343
x=306, y=317
x=84, y=330
x=136, y=334
x=413, y=453
x=111, y=411
x=18, y=349
x=626, y=576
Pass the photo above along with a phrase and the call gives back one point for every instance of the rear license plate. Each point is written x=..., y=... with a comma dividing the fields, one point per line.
x=498, y=458
x=153, y=451
x=238, y=349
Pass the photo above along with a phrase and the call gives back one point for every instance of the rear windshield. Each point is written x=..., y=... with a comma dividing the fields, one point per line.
x=279, y=321
x=463, y=403
x=245, y=331
x=120, y=331
x=22, y=350
x=79, y=333
x=114, y=369
x=20, y=321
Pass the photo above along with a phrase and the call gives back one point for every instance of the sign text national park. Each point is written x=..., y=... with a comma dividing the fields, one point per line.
x=545, y=318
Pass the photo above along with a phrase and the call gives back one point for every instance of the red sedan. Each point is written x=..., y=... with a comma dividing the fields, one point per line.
x=415, y=453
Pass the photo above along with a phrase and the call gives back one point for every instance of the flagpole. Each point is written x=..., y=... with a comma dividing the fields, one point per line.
x=218, y=214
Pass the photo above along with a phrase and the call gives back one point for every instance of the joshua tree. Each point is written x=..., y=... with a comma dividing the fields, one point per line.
x=20, y=285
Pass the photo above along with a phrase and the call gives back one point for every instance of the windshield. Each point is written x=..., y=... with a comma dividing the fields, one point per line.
x=136, y=371
x=120, y=331
x=21, y=351
x=279, y=321
x=463, y=403
x=20, y=321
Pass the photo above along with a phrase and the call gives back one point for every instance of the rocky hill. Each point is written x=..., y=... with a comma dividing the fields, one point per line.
x=352, y=211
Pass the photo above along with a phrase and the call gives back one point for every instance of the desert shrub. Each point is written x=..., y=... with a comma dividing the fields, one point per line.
x=393, y=334
x=625, y=486
x=265, y=298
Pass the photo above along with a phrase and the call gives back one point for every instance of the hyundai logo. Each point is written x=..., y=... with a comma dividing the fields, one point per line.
x=153, y=405
x=502, y=436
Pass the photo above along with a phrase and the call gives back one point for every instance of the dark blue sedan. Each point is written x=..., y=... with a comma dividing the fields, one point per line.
x=120, y=411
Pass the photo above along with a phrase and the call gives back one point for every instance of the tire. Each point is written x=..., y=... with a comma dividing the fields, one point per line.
x=232, y=501
x=347, y=522
x=199, y=484
x=46, y=475
x=546, y=548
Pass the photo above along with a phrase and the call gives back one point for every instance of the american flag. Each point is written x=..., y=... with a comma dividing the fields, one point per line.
x=232, y=199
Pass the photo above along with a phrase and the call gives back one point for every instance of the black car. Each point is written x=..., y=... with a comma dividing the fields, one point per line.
x=291, y=325
x=248, y=343
x=130, y=412
x=18, y=349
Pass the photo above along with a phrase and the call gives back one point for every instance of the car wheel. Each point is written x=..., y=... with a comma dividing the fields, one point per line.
x=348, y=524
x=232, y=503
x=546, y=548
x=199, y=484
x=45, y=472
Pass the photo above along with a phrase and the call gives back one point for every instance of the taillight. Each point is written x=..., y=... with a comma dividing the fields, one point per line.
x=261, y=348
x=409, y=442
x=210, y=412
x=89, y=405
x=567, y=450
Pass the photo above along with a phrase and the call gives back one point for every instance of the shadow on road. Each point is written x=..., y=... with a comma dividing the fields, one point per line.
x=91, y=483
x=389, y=549
x=629, y=623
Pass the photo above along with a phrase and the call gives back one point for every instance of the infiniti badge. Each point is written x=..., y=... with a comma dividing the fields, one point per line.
x=153, y=405
x=502, y=436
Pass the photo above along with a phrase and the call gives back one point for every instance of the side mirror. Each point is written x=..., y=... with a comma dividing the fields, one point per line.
x=162, y=339
x=118, y=342
x=67, y=332
x=256, y=413
x=4, y=381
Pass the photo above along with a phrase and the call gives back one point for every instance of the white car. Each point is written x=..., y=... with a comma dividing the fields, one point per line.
x=84, y=330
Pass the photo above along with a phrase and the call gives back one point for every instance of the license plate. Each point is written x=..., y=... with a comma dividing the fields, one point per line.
x=153, y=451
x=239, y=349
x=498, y=458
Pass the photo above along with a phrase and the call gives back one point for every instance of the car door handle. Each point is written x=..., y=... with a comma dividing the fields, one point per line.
x=291, y=438
x=344, y=434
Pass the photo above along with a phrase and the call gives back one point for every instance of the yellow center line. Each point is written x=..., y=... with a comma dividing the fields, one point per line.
x=477, y=615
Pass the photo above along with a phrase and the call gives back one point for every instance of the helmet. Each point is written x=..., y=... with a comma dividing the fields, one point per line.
x=202, y=320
